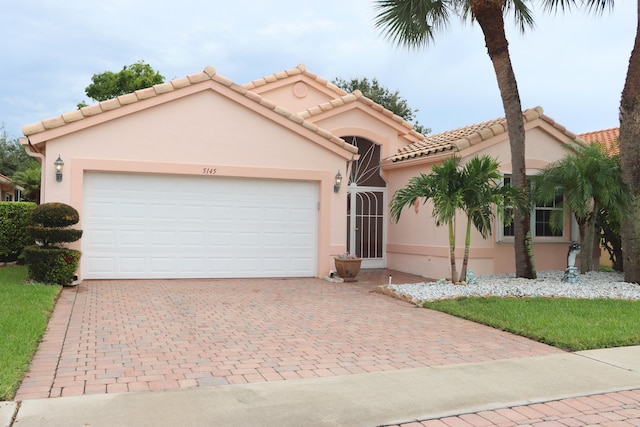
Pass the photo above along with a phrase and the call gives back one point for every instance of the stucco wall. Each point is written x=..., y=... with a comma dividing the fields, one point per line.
x=416, y=245
x=205, y=131
x=296, y=96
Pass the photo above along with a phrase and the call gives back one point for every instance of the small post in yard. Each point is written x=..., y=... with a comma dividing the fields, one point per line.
x=571, y=273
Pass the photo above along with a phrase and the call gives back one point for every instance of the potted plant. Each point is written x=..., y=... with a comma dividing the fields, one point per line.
x=348, y=266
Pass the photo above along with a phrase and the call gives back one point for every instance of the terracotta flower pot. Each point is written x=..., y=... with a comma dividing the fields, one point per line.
x=348, y=269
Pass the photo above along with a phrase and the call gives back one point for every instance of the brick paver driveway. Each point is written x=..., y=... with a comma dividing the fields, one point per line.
x=120, y=336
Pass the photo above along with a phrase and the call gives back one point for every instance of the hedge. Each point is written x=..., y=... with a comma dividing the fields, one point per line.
x=14, y=219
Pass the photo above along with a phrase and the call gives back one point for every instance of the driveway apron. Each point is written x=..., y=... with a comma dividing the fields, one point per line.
x=127, y=336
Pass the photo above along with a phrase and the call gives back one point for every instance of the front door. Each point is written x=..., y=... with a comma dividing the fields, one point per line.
x=366, y=206
x=365, y=224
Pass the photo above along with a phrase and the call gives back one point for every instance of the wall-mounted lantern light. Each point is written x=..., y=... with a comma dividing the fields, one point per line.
x=336, y=186
x=59, y=164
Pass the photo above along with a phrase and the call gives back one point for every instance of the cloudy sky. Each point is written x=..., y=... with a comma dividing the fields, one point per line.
x=573, y=65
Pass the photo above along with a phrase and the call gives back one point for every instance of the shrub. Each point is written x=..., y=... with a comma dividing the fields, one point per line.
x=51, y=221
x=14, y=218
x=49, y=236
x=55, y=215
x=48, y=261
x=52, y=265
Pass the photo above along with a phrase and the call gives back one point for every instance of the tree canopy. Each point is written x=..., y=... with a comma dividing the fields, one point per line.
x=132, y=77
x=391, y=100
x=592, y=185
x=13, y=158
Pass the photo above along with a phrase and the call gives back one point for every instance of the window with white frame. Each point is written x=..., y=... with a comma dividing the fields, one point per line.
x=540, y=217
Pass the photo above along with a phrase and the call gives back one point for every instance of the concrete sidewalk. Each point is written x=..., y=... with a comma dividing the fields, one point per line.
x=371, y=399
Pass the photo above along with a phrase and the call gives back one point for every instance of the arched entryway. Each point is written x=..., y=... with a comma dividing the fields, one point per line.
x=366, y=205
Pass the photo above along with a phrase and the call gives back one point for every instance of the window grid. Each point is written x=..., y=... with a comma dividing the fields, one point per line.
x=540, y=217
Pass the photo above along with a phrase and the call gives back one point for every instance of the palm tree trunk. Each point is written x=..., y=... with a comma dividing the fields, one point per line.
x=630, y=162
x=586, y=262
x=465, y=260
x=488, y=13
x=583, y=225
x=452, y=251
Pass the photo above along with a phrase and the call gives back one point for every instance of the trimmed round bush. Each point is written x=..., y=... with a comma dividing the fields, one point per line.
x=55, y=215
x=53, y=265
x=49, y=236
x=48, y=261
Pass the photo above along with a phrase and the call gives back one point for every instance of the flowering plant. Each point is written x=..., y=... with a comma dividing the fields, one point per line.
x=348, y=255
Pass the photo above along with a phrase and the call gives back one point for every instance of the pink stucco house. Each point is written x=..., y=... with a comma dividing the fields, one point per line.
x=201, y=177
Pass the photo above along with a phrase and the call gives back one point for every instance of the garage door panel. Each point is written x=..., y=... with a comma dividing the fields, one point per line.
x=146, y=226
x=132, y=239
x=130, y=265
x=100, y=264
x=130, y=210
x=166, y=239
x=192, y=239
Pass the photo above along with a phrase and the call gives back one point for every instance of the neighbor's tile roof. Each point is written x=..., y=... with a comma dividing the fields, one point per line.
x=461, y=138
x=608, y=139
x=5, y=179
x=209, y=73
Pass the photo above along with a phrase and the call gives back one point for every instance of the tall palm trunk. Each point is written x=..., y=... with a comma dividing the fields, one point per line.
x=467, y=245
x=630, y=162
x=586, y=262
x=489, y=15
x=452, y=250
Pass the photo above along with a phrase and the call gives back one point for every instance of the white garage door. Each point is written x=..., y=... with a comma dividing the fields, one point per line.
x=171, y=226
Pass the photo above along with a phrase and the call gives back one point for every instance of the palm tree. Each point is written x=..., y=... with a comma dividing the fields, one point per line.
x=481, y=193
x=474, y=189
x=413, y=23
x=30, y=180
x=630, y=157
x=443, y=187
x=591, y=182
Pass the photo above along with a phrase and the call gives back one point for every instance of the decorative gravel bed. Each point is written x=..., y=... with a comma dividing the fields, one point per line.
x=595, y=284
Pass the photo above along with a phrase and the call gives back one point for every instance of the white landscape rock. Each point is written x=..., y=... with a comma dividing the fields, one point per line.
x=595, y=284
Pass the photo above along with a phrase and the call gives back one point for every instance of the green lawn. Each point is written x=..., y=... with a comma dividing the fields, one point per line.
x=569, y=324
x=24, y=312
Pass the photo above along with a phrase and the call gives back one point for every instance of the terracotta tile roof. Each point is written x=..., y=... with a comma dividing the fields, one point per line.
x=300, y=69
x=6, y=180
x=461, y=138
x=357, y=96
x=209, y=74
x=343, y=97
x=608, y=139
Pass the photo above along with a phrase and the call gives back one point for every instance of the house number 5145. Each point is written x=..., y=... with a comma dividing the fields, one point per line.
x=209, y=171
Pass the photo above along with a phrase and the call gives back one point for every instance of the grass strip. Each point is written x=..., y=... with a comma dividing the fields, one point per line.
x=569, y=324
x=24, y=312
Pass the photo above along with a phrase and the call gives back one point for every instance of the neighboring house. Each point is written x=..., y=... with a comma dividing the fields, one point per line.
x=608, y=139
x=9, y=190
x=202, y=177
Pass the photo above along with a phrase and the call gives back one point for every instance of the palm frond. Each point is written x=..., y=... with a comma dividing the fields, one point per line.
x=522, y=15
x=411, y=23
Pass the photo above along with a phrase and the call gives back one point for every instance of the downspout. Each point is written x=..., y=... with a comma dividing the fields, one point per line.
x=32, y=151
